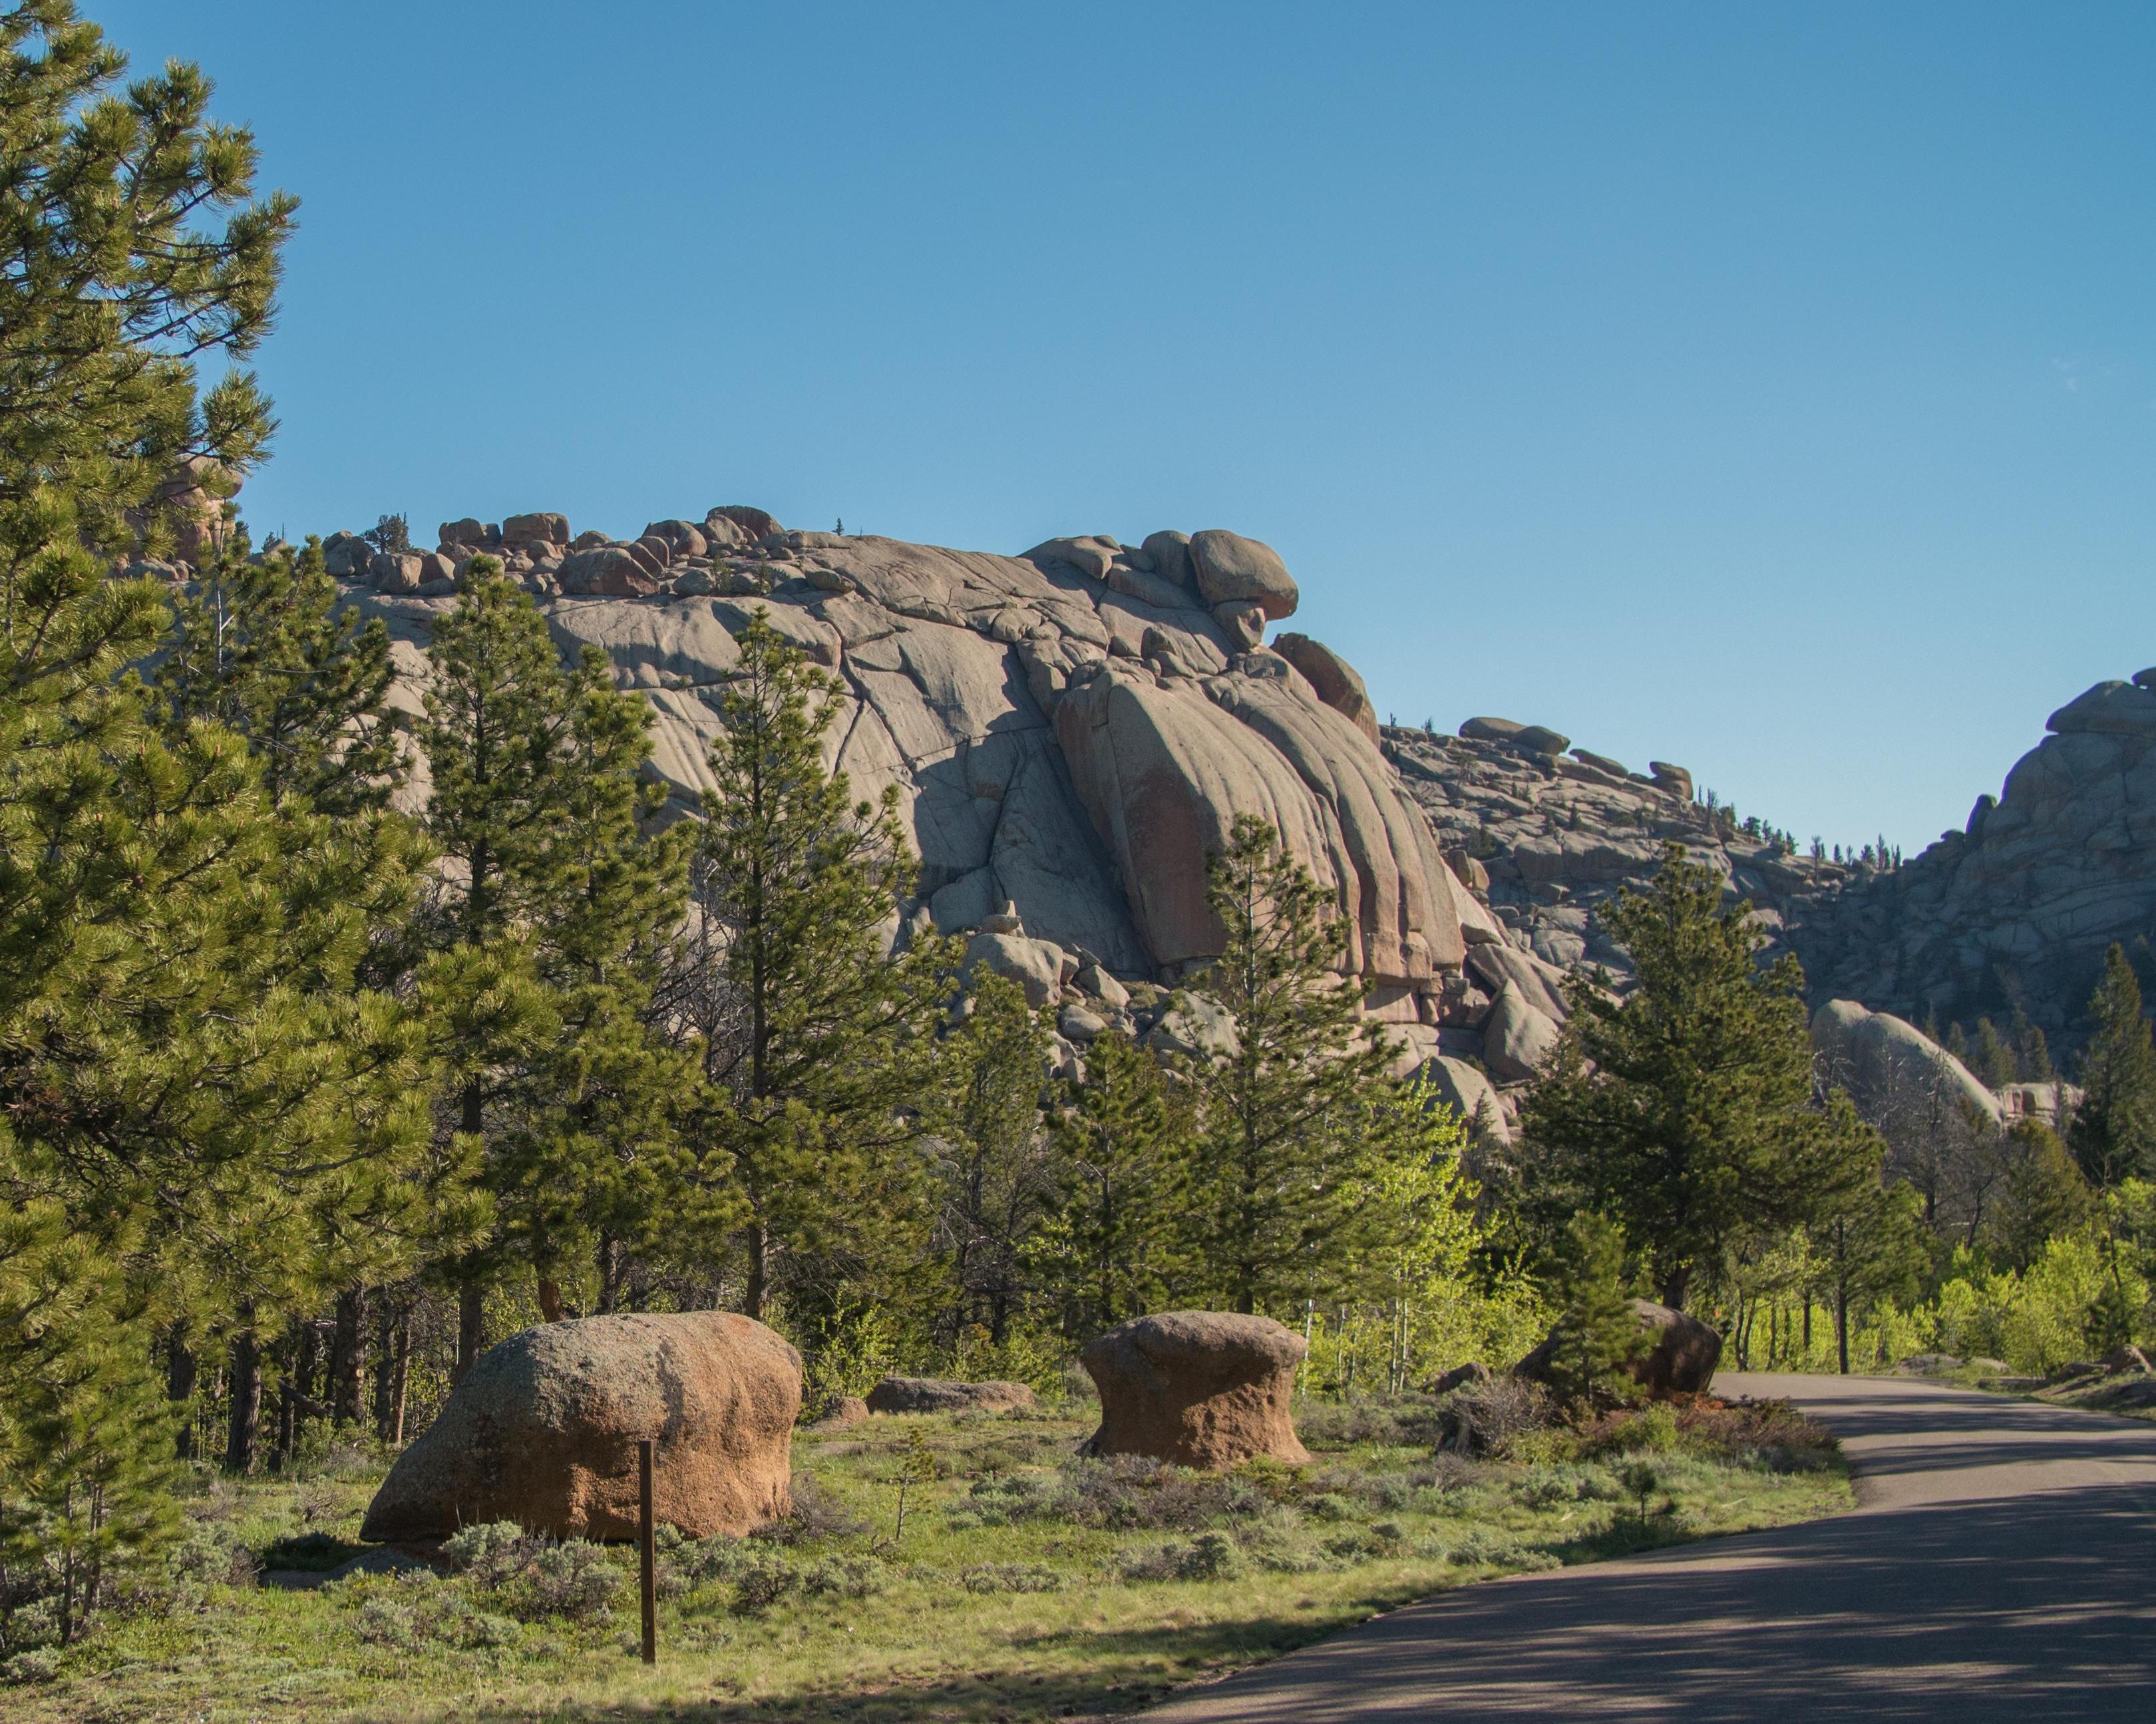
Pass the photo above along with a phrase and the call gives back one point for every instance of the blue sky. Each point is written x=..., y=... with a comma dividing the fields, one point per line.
x=1769, y=390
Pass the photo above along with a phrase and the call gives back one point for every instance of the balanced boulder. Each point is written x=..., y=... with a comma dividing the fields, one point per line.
x=1231, y=569
x=937, y=1395
x=543, y=1430
x=1199, y=1389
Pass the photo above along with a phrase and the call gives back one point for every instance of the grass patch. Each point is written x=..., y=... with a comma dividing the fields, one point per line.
x=1028, y=1584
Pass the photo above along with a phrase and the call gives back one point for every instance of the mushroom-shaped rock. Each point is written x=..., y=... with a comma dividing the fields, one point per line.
x=1200, y=1388
x=542, y=1430
x=1538, y=739
x=1230, y=567
x=937, y=1395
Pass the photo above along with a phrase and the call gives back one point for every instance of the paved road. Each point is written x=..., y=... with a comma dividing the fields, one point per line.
x=2000, y=1565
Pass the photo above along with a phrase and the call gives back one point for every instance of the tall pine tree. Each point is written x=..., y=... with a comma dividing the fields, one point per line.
x=1683, y=1113
x=1278, y=1188
x=2114, y=1132
x=816, y=1038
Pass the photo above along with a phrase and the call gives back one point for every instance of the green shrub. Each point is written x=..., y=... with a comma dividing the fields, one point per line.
x=1012, y=1577
x=1210, y=1556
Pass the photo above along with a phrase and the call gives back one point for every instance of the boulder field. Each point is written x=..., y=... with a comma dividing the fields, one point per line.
x=1071, y=732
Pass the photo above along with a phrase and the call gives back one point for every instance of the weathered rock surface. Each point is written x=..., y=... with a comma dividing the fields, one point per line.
x=1894, y=1074
x=936, y=1394
x=1334, y=680
x=1071, y=731
x=2017, y=909
x=543, y=1429
x=1197, y=1388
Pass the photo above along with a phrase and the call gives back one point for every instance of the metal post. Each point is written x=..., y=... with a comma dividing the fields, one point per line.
x=647, y=1550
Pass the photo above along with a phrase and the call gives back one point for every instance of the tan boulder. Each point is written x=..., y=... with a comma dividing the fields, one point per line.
x=538, y=529
x=938, y=1394
x=1681, y=1358
x=1230, y=567
x=1337, y=685
x=543, y=1430
x=1199, y=1388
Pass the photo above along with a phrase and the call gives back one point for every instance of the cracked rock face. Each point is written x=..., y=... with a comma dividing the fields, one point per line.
x=2017, y=909
x=1071, y=732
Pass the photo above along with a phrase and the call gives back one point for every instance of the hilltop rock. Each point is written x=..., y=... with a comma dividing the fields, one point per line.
x=542, y=1430
x=2017, y=909
x=1072, y=732
x=1230, y=567
x=1333, y=678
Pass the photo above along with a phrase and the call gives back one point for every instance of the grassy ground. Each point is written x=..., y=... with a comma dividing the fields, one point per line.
x=1026, y=1584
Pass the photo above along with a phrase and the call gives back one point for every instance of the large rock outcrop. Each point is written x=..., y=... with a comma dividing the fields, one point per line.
x=543, y=1430
x=1070, y=732
x=1898, y=1077
x=1199, y=1388
x=2016, y=909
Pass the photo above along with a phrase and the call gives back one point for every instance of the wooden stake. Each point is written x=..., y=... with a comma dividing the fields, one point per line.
x=647, y=1550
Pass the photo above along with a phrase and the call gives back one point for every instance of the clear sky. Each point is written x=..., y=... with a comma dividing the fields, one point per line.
x=1767, y=389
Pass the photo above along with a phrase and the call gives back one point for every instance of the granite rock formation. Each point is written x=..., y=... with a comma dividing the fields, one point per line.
x=1071, y=731
x=2016, y=909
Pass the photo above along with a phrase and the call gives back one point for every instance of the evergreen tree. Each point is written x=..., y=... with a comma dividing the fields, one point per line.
x=182, y=1107
x=2042, y=1195
x=1693, y=1125
x=1283, y=1144
x=260, y=647
x=2114, y=1132
x=994, y=1161
x=1112, y=1246
x=1957, y=1042
x=2032, y=1053
x=1992, y=1059
x=1870, y=1246
x=1597, y=1334
x=544, y=935
x=816, y=1038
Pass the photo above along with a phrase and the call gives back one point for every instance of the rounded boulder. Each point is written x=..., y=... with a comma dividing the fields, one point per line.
x=938, y=1394
x=1231, y=569
x=543, y=1430
x=1199, y=1389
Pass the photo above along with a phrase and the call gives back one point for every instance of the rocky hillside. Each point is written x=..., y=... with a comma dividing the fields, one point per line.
x=1546, y=834
x=1071, y=732
x=2017, y=909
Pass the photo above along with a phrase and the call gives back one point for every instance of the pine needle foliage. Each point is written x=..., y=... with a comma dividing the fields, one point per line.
x=816, y=1031
x=2113, y=1132
x=1278, y=1190
x=1685, y=1112
x=1112, y=1247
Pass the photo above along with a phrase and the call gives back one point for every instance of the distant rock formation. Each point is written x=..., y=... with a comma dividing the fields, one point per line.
x=1071, y=732
x=2015, y=911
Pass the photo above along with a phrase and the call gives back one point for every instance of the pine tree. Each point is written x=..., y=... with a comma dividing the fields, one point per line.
x=183, y=1109
x=2042, y=1195
x=1283, y=1144
x=816, y=1037
x=1112, y=1248
x=1693, y=1125
x=1869, y=1245
x=2114, y=1132
x=1991, y=1059
x=260, y=647
x=2032, y=1053
x=994, y=1159
x=544, y=938
x=1597, y=1334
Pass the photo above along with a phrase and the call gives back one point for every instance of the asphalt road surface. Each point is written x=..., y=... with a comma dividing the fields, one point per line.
x=2000, y=1565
